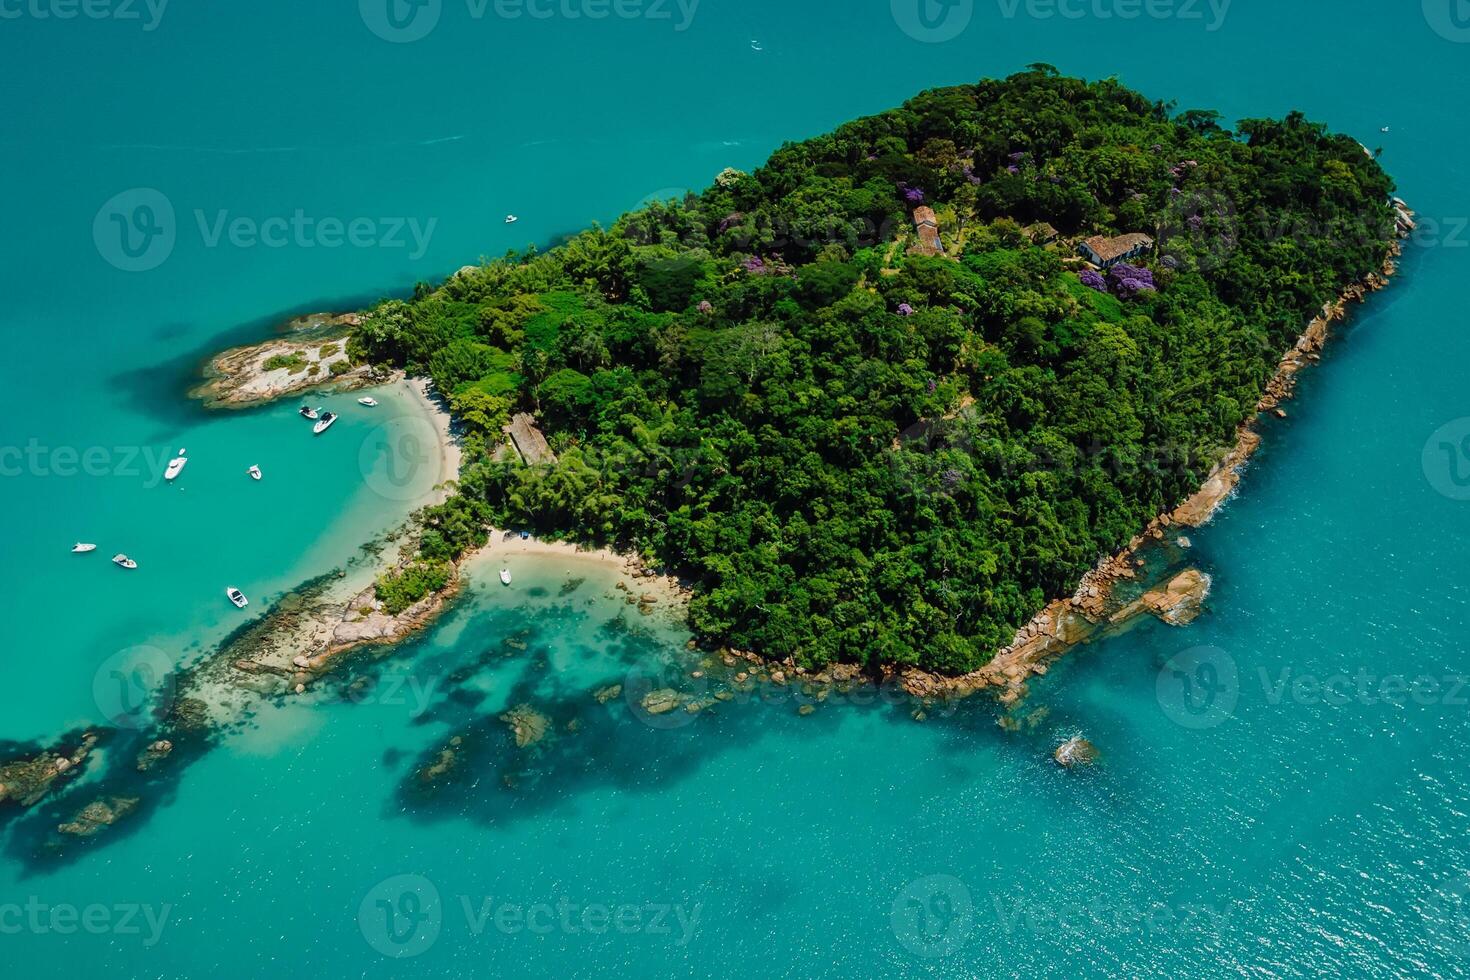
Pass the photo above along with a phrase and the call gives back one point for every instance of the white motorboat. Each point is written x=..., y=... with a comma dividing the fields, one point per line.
x=175, y=466
x=756, y=46
x=254, y=472
x=123, y=561
x=369, y=402
x=307, y=412
x=326, y=423
x=237, y=597
x=82, y=549
x=511, y=219
x=505, y=576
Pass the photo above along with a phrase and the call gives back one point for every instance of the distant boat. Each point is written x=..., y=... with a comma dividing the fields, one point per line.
x=756, y=46
x=175, y=466
x=237, y=597
x=505, y=576
x=326, y=423
x=124, y=561
x=254, y=472
x=1384, y=129
x=511, y=219
x=82, y=549
x=369, y=402
x=307, y=412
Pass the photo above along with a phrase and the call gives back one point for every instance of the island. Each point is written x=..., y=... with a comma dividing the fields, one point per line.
x=918, y=406
x=893, y=396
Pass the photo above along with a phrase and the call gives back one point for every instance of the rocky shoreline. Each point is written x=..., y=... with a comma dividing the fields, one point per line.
x=310, y=353
x=1095, y=610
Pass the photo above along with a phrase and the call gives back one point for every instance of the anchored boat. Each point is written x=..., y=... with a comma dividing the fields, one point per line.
x=254, y=472
x=123, y=561
x=369, y=402
x=175, y=467
x=237, y=597
x=307, y=412
x=326, y=423
x=82, y=549
x=505, y=576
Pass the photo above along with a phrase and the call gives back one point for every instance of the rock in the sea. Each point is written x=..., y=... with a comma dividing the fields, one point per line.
x=1075, y=751
x=153, y=754
x=97, y=815
x=528, y=724
x=609, y=693
x=661, y=701
x=805, y=710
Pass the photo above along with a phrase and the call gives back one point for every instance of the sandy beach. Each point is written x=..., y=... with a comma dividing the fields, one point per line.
x=451, y=455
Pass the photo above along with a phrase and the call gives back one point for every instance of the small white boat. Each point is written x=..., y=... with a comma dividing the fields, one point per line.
x=254, y=472
x=505, y=576
x=124, y=561
x=82, y=549
x=237, y=597
x=369, y=402
x=307, y=412
x=756, y=46
x=326, y=423
x=1384, y=129
x=511, y=219
x=175, y=466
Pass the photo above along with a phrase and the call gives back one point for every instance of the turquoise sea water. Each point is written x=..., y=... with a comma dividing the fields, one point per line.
x=1283, y=831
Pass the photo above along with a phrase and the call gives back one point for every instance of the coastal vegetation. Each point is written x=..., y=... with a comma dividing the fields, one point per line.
x=295, y=362
x=861, y=439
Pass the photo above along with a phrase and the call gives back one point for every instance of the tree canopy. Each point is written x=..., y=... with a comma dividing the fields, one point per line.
x=857, y=452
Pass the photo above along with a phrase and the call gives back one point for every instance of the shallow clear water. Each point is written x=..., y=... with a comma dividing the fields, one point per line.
x=1279, y=831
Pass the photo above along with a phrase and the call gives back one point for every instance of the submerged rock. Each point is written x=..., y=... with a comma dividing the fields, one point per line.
x=661, y=701
x=610, y=693
x=528, y=724
x=99, y=814
x=153, y=754
x=1075, y=751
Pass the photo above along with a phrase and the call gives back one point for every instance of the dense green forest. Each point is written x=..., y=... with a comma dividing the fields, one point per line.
x=858, y=452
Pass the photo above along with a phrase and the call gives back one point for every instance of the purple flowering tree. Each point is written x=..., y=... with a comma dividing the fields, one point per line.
x=1092, y=279
x=905, y=309
x=1128, y=281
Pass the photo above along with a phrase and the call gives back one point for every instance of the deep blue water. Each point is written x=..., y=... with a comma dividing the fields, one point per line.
x=1286, y=831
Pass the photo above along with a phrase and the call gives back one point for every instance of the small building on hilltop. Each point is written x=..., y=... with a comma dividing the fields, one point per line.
x=1041, y=233
x=926, y=223
x=1105, y=252
x=529, y=441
